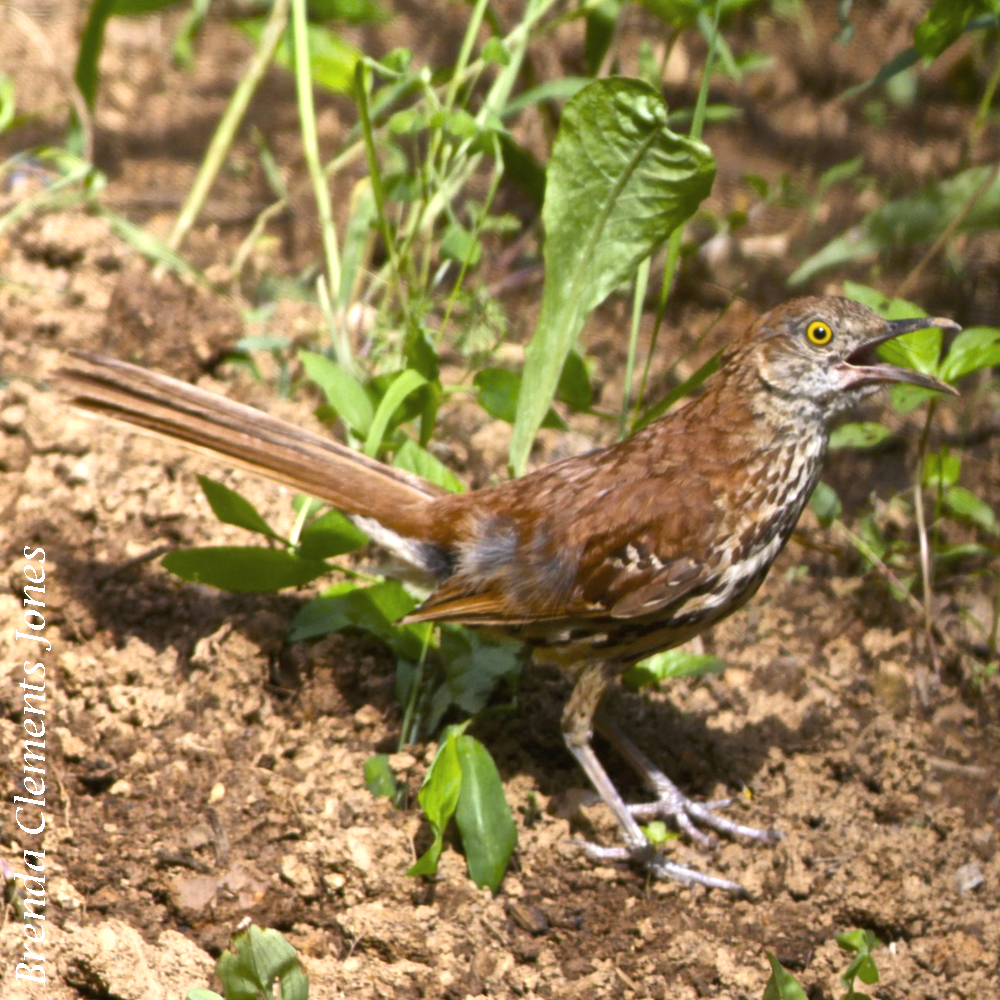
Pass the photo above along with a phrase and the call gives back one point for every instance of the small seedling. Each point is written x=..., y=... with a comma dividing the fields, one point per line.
x=259, y=960
x=782, y=985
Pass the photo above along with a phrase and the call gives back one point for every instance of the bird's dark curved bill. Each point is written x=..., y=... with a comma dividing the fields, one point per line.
x=864, y=367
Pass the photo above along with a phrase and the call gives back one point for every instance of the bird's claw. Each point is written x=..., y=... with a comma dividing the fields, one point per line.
x=650, y=859
x=672, y=804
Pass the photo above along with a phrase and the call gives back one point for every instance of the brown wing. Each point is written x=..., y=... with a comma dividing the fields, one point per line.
x=631, y=560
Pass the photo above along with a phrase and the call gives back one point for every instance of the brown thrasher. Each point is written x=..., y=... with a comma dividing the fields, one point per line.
x=602, y=559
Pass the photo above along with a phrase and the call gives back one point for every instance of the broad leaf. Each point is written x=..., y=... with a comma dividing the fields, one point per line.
x=671, y=664
x=489, y=835
x=261, y=957
x=619, y=182
x=330, y=534
x=373, y=609
x=244, y=570
x=782, y=985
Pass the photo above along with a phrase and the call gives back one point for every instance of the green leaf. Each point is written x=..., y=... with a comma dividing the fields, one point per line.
x=941, y=470
x=88, y=55
x=858, y=940
x=574, y=383
x=898, y=64
x=494, y=51
x=459, y=244
x=920, y=350
x=332, y=60
x=421, y=353
x=330, y=534
x=200, y=994
x=965, y=505
x=144, y=241
x=684, y=13
x=405, y=383
x=826, y=504
x=840, y=172
x=473, y=667
x=561, y=89
x=499, y=390
x=906, y=398
x=867, y=971
x=379, y=777
x=8, y=104
x=917, y=218
x=243, y=570
x=670, y=664
x=658, y=832
x=438, y=798
x=489, y=835
x=259, y=959
x=972, y=350
x=681, y=391
x=352, y=11
x=863, y=434
x=782, y=985
x=942, y=26
x=956, y=553
x=343, y=392
x=231, y=508
x=412, y=458
x=619, y=182
x=373, y=609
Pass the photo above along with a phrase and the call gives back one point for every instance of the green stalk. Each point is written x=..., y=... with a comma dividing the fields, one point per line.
x=225, y=131
x=638, y=298
x=362, y=78
x=677, y=236
x=321, y=191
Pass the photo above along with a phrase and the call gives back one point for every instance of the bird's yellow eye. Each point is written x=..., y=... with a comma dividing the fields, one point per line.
x=819, y=333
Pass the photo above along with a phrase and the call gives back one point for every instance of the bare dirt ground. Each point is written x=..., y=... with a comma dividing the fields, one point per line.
x=202, y=770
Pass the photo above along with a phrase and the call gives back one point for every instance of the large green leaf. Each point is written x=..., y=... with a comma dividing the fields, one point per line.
x=330, y=534
x=619, y=182
x=489, y=835
x=373, y=609
x=244, y=570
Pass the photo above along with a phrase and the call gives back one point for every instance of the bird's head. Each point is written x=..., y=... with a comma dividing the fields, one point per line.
x=823, y=349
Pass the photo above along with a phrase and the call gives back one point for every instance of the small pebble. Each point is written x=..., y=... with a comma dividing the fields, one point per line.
x=969, y=877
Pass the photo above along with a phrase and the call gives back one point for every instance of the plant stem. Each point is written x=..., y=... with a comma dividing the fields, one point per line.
x=926, y=566
x=222, y=140
x=947, y=233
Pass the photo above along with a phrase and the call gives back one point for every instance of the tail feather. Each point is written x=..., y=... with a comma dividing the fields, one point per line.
x=253, y=440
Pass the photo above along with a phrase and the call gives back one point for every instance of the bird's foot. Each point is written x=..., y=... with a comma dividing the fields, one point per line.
x=651, y=860
x=671, y=803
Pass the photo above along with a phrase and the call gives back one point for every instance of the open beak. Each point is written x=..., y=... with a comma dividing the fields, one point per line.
x=863, y=366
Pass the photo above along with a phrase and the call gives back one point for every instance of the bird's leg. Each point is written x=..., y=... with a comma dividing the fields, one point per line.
x=577, y=725
x=670, y=801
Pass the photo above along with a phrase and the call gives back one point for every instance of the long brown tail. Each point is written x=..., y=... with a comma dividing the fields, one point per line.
x=250, y=438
